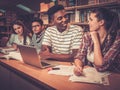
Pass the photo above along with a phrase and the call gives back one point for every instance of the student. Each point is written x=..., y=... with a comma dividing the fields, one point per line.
x=101, y=46
x=61, y=41
x=20, y=35
x=38, y=33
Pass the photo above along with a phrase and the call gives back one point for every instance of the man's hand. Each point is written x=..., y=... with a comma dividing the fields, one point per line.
x=45, y=54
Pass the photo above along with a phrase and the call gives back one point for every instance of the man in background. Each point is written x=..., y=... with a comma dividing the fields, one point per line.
x=37, y=33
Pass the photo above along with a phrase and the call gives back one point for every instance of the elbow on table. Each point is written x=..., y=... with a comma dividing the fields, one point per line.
x=101, y=68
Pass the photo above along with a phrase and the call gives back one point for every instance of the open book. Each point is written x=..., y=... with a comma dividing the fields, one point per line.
x=12, y=55
x=6, y=50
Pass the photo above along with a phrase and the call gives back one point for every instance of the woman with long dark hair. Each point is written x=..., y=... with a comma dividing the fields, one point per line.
x=20, y=35
x=101, y=45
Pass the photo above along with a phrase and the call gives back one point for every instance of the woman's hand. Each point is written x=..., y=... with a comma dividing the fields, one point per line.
x=78, y=70
x=94, y=35
x=14, y=45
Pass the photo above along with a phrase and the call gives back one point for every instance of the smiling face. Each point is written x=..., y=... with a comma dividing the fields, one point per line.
x=36, y=27
x=61, y=20
x=18, y=29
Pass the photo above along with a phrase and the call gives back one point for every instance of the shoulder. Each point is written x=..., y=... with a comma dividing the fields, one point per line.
x=76, y=28
x=52, y=28
x=118, y=37
x=14, y=35
x=34, y=35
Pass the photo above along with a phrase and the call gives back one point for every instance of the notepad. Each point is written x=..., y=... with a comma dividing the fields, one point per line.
x=91, y=75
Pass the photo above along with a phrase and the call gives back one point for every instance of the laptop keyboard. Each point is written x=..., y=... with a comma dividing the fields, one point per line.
x=44, y=64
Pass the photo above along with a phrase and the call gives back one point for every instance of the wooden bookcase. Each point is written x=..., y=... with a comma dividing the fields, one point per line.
x=79, y=9
x=79, y=13
x=5, y=26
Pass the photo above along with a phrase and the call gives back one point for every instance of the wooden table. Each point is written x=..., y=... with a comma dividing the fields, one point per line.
x=15, y=75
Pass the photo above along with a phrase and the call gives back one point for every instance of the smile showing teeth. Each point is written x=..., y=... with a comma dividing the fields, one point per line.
x=64, y=24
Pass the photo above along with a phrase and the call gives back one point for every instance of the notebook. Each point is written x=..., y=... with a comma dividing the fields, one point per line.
x=30, y=56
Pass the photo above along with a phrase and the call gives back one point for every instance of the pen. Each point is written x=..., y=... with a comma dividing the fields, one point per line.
x=54, y=68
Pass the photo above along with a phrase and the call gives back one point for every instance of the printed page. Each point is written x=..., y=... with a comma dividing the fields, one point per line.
x=63, y=70
x=91, y=75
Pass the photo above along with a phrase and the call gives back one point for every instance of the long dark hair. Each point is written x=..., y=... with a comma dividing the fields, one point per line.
x=25, y=30
x=112, y=25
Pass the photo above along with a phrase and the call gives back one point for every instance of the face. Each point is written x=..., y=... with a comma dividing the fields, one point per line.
x=94, y=24
x=61, y=20
x=18, y=29
x=36, y=27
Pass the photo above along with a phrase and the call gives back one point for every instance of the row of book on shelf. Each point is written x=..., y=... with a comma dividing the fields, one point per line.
x=77, y=16
x=68, y=3
x=82, y=16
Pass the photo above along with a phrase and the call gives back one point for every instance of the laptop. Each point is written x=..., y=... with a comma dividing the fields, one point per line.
x=31, y=57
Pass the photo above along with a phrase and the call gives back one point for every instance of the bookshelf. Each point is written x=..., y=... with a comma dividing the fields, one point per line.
x=5, y=25
x=79, y=9
x=3, y=30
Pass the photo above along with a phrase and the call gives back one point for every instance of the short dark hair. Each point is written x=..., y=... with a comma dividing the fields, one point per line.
x=51, y=11
x=37, y=20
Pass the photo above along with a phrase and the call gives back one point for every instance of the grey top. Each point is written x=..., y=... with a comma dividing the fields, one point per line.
x=37, y=41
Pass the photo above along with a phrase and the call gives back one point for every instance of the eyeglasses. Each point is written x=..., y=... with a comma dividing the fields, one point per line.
x=35, y=26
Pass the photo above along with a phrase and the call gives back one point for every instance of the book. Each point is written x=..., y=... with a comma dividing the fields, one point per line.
x=43, y=7
x=12, y=55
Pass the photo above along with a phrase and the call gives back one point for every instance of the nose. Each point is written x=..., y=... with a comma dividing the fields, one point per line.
x=33, y=28
x=63, y=19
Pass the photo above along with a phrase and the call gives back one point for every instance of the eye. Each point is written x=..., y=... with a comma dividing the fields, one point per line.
x=66, y=16
x=59, y=18
x=18, y=28
x=35, y=26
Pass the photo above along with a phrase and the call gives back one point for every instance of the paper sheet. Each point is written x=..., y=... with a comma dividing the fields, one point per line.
x=8, y=49
x=64, y=70
x=91, y=75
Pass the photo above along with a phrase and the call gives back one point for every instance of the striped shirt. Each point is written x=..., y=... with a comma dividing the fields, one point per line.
x=65, y=42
